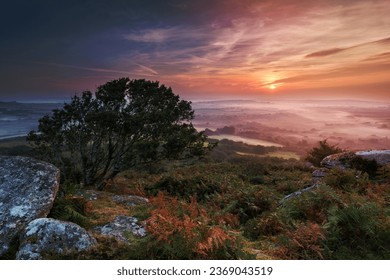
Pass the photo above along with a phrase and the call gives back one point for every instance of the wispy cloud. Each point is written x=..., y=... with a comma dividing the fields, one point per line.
x=325, y=52
x=147, y=69
x=144, y=71
x=157, y=35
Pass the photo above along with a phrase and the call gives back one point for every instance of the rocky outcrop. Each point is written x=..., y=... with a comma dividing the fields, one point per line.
x=121, y=227
x=318, y=174
x=363, y=161
x=340, y=160
x=45, y=237
x=347, y=159
x=27, y=191
x=382, y=157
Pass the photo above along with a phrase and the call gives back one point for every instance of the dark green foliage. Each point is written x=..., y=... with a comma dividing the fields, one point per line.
x=365, y=165
x=125, y=123
x=317, y=154
x=72, y=209
x=267, y=224
x=227, y=150
x=257, y=180
x=309, y=206
x=341, y=179
x=247, y=202
x=383, y=174
x=20, y=150
x=185, y=188
x=358, y=232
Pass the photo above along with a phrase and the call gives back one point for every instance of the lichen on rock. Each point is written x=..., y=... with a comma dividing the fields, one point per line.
x=121, y=227
x=49, y=237
x=27, y=191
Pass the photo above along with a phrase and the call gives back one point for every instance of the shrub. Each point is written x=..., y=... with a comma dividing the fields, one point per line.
x=358, y=232
x=310, y=206
x=341, y=179
x=268, y=224
x=71, y=208
x=317, y=154
x=185, y=188
x=365, y=165
x=246, y=201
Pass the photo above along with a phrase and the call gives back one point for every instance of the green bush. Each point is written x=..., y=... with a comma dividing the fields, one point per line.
x=341, y=179
x=185, y=188
x=358, y=232
x=310, y=206
x=267, y=224
x=71, y=208
x=317, y=154
x=365, y=165
x=246, y=201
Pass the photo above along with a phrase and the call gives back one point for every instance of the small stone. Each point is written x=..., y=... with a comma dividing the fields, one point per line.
x=130, y=200
x=121, y=227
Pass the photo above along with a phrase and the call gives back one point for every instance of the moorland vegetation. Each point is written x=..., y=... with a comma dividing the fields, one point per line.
x=208, y=200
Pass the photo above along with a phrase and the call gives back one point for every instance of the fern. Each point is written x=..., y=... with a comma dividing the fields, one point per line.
x=70, y=209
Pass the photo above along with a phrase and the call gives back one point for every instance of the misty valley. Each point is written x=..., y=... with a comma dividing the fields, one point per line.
x=282, y=180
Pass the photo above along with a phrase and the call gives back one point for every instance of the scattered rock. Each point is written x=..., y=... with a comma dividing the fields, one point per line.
x=89, y=194
x=50, y=236
x=298, y=193
x=121, y=227
x=27, y=191
x=130, y=200
x=318, y=174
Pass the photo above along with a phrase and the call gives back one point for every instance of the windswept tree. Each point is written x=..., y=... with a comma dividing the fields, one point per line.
x=124, y=124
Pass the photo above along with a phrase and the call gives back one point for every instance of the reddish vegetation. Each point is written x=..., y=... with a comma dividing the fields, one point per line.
x=189, y=226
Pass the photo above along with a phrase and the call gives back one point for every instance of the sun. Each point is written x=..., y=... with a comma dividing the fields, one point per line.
x=272, y=87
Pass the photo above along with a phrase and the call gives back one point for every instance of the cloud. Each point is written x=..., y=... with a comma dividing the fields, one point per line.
x=149, y=72
x=147, y=69
x=227, y=46
x=325, y=52
x=157, y=35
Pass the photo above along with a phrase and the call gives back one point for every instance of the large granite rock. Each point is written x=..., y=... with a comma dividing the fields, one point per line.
x=345, y=160
x=340, y=160
x=121, y=227
x=27, y=191
x=382, y=157
x=47, y=236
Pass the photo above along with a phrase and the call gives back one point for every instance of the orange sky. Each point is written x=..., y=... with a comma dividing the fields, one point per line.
x=337, y=49
x=202, y=49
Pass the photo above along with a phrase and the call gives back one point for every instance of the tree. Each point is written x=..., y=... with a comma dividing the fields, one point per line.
x=317, y=154
x=125, y=123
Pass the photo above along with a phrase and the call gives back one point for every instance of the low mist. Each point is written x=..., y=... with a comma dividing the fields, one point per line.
x=298, y=125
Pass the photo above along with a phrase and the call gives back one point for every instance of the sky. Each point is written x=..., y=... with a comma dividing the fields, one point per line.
x=50, y=50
